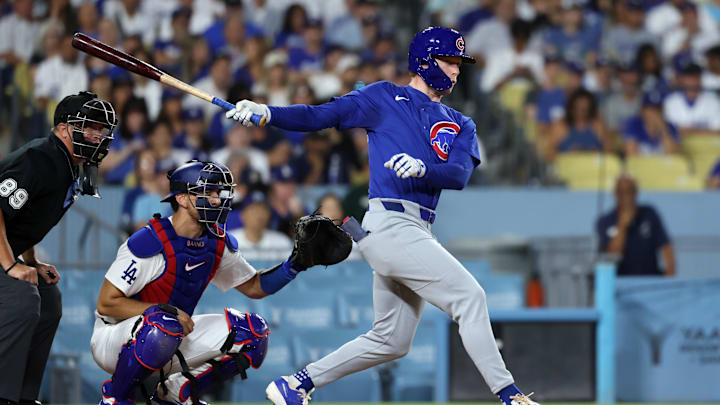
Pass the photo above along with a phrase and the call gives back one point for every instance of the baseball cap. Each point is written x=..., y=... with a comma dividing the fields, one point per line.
x=274, y=58
x=652, y=99
x=182, y=12
x=70, y=105
x=685, y=64
x=170, y=93
x=575, y=67
x=193, y=113
x=283, y=174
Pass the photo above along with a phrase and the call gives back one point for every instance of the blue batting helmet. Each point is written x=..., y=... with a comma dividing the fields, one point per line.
x=431, y=42
x=201, y=179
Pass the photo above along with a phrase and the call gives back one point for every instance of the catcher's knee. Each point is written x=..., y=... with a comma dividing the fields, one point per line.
x=158, y=338
x=249, y=333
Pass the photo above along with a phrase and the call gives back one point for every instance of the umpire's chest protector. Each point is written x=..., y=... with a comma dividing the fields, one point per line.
x=190, y=264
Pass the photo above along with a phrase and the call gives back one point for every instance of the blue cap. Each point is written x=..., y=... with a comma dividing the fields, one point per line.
x=284, y=173
x=575, y=67
x=635, y=4
x=169, y=93
x=182, y=12
x=193, y=113
x=652, y=99
x=685, y=64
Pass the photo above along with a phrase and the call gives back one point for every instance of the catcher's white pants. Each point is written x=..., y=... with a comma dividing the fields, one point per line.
x=409, y=268
x=199, y=346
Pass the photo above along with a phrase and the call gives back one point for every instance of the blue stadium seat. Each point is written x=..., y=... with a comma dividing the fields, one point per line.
x=311, y=345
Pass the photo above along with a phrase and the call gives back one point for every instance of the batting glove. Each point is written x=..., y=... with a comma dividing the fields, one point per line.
x=406, y=166
x=244, y=110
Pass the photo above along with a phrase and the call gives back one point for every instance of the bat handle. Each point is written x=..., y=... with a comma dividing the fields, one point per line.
x=256, y=119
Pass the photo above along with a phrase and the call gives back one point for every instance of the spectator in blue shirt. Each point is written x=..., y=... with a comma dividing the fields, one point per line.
x=572, y=38
x=648, y=133
x=291, y=34
x=583, y=128
x=309, y=56
x=215, y=35
x=714, y=178
x=129, y=138
x=635, y=233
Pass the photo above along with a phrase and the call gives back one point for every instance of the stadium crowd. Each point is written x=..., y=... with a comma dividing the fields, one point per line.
x=627, y=77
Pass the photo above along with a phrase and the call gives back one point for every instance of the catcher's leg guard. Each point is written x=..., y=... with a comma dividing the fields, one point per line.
x=245, y=347
x=156, y=341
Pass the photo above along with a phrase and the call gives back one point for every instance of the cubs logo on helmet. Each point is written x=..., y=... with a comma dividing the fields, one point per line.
x=460, y=44
x=442, y=135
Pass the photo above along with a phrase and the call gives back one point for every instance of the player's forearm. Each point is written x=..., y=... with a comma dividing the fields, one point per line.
x=451, y=176
x=304, y=117
x=29, y=256
x=7, y=258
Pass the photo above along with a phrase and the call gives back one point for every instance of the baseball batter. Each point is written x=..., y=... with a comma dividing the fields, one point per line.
x=145, y=306
x=417, y=148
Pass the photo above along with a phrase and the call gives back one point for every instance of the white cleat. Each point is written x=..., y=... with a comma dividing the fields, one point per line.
x=283, y=392
x=522, y=399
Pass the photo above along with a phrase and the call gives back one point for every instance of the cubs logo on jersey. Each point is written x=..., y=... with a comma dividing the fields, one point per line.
x=442, y=135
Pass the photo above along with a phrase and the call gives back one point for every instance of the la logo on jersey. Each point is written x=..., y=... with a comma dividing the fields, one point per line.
x=442, y=135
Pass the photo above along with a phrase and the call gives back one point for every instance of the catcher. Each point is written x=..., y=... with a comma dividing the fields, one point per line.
x=145, y=308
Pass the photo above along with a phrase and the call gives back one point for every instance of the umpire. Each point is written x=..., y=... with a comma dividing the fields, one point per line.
x=38, y=183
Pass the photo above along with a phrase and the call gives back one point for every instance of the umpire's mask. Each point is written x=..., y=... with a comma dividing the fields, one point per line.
x=93, y=122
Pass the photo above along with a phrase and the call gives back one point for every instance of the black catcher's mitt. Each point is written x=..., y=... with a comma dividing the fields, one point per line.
x=319, y=241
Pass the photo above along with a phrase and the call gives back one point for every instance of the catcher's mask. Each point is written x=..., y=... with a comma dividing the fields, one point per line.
x=92, y=121
x=212, y=184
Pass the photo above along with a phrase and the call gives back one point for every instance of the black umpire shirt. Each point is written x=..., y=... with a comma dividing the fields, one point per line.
x=37, y=185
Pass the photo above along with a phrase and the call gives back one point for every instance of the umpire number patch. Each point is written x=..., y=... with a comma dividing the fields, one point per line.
x=16, y=196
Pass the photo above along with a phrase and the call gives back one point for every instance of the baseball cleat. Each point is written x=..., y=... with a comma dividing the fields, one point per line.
x=522, y=399
x=106, y=399
x=283, y=391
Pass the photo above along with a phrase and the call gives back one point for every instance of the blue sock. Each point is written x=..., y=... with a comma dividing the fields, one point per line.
x=305, y=381
x=507, y=392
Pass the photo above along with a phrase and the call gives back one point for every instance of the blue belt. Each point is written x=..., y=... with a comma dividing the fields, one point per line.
x=425, y=213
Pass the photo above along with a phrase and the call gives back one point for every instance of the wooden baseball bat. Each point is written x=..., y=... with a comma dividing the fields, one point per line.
x=128, y=62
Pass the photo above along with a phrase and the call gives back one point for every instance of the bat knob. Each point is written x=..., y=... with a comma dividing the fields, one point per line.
x=258, y=120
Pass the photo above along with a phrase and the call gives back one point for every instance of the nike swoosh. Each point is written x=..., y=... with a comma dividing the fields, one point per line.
x=188, y=267
x=168, y=319
x=398, y=98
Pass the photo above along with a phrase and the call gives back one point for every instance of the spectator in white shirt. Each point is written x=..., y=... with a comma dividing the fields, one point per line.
x=516, y=62
x=691, y=109
x=216, y=83
x=689, y=35
x=711, y=76
x=61, y=75
x=19, y=34
x=255, y=240
x=493, y=34
x=132, y=19
x=667, y=16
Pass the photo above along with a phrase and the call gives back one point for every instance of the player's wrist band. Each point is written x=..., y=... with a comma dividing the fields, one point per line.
x=273, y=280
x=11, y=266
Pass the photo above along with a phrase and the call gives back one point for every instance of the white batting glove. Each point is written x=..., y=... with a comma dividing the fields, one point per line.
x=244, y=110
x=406, y=166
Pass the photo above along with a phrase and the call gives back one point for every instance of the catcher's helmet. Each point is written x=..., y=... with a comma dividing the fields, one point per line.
x=431, y=42
x=84, y=111
x=201, y=179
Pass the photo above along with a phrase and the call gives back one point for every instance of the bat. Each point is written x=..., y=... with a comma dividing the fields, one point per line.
x=119, y=58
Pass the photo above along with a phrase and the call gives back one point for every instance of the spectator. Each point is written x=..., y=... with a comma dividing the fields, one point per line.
x=286, y=207
x=667, y=16
x=100, y=84
x=635, y=233
x=198, y=64
x=550, y=99
x=648, y=133
x=348, y=71
x=149, y=90
x=310, y=56
x=713, y=181
x=237, y=141
x=130, y=139
x=131, y=19
x=312, y=166
x=479, y=13
x=18, y=36
x=572, y=39
x=621, y=41
x=171, y=110
x=253, y=69
x=234, y=45
x=492, y=34
x=291, y=34
x=159, y=141
x=582, y=129
x=651, y=70
x=711, y=76
x=60, y=75
x=625, y=103
x=218, y=35
x=217, y=84
x=88, y=18
x=149, y=202
x=121, y=90
x=169, y=53
x=599, y=80
x=192, y=141
x=144, y=181
x=347, y=29
x=688, y=36
x=689, y=108
x=516, y=62
x=275, y=84
x=266, y=14
x=255, y=240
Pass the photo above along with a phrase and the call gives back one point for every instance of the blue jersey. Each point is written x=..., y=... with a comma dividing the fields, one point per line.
x=398, y=120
